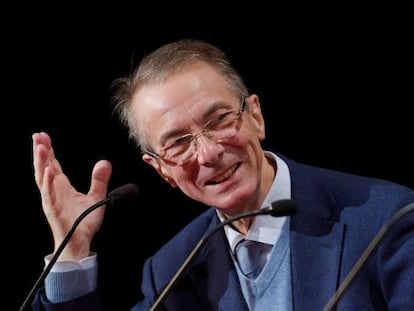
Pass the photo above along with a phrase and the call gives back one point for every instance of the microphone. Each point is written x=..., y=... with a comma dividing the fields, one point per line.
x=276, y=209
x=368, y=251
x=122, y=192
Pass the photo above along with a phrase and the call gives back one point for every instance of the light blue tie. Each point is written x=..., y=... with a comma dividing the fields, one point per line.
x=251, y=257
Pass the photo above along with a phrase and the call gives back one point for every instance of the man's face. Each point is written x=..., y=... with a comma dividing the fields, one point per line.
x=222, y=173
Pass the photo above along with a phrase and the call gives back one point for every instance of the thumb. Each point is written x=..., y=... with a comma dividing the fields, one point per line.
x=101, y=174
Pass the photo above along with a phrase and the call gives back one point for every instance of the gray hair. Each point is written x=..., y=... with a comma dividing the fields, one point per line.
x=157, y=67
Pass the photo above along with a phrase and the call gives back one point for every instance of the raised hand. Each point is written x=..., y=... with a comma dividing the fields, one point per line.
x=62, y=203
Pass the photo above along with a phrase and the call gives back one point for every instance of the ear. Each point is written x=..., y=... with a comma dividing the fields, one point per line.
x=256, y=113
x=161, y=170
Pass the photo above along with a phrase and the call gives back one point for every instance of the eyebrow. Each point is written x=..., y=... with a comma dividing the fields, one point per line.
x=214, y=107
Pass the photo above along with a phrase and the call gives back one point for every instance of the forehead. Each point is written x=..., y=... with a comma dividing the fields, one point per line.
x=191, y=82
x=184, y=94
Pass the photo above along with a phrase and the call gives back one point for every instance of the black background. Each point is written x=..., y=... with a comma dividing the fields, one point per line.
x=335, y=86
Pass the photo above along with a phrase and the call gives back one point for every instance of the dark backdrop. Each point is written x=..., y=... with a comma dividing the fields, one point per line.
x=335, y=87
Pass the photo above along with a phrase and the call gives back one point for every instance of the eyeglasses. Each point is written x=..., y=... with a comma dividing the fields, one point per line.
x=184, y=148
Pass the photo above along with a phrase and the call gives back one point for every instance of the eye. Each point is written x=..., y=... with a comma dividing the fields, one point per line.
x=218, y=121
x=180, y=141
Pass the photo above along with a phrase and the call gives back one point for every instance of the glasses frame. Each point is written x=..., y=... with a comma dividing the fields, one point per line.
x=203, y=131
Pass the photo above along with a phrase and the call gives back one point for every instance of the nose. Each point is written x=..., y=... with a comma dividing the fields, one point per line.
x=208, y=151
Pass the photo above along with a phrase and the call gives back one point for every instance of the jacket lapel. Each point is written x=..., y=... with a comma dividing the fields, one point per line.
x=316, y=246
x=215, y=278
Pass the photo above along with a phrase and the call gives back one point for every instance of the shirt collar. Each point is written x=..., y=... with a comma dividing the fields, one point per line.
x=266, y=228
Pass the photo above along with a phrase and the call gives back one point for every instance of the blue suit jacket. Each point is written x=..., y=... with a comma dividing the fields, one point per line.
x=338, y=216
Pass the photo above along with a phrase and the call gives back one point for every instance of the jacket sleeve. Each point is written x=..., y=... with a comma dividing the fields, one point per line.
x=89, y=302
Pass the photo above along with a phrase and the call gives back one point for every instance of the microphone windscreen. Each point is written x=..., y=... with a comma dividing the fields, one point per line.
x=124, y=191
x=283, y=208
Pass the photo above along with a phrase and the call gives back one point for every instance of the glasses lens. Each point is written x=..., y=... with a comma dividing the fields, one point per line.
x=223, y=127
x=220, y=129
x=180, y=151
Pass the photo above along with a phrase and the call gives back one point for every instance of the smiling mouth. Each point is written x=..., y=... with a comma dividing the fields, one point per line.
x=226, y=175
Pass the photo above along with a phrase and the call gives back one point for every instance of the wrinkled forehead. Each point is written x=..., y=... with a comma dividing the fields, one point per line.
x=181, y=92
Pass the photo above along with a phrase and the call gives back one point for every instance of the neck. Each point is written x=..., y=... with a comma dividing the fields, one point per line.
x=242, y=225
x=269, y=173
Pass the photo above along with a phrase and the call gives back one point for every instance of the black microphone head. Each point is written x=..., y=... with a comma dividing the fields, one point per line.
x=284, y=207
x=124, y=191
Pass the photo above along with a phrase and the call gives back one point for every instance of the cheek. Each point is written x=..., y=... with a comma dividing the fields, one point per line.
x=184, y=176
x=250, y=135
x=250, y=144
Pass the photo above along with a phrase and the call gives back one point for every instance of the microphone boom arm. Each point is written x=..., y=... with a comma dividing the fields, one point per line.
x=287, y=208
x=60, y=249
x=368, y=251
x=118, y=193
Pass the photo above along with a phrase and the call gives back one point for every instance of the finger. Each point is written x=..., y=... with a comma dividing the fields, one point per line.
x=39, y=157
x=51, y=153
x=43, y=156
x=101, y=174
x=47, y=189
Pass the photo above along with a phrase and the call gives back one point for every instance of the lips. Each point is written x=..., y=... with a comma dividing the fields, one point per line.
x=226, y=175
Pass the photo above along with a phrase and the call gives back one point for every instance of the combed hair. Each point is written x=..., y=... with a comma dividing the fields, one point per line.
x=157, y=67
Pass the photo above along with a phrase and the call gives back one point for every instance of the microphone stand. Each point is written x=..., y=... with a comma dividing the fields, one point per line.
x=368, y=251
x=125, y=190
x=59, y=251
x=288, y=208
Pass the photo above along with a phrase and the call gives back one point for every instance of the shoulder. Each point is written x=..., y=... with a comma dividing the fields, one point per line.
x=328, y=193
x=343, y=184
